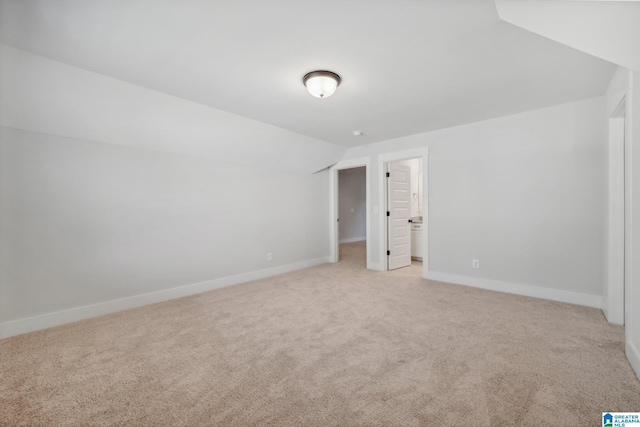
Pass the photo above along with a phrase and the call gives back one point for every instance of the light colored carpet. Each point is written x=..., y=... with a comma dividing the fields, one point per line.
x=333, y=345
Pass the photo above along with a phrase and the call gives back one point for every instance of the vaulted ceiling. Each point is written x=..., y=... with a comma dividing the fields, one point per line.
x=407, y=66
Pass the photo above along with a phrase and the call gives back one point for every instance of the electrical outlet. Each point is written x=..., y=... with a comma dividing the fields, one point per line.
x=475, y=263
x=269, y=256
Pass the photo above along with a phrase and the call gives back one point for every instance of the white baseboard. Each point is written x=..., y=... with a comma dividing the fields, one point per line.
x=48, y=320
x=571, y=297
x=633, y=355
x=354, y=239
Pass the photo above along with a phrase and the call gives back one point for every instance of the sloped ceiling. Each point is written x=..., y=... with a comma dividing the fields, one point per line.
x=46, y=96
x=606, y=29
x=407, y=66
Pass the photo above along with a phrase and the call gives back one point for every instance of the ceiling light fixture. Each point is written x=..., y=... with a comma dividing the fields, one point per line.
x=321, y=84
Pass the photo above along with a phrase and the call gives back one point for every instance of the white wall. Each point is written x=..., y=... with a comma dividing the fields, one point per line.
x=114, y=196
x=610, y=31
x=524, y=194
x=86, y=223
x=352, y=196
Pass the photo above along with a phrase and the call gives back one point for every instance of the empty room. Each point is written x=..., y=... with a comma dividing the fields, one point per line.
x=303, y=213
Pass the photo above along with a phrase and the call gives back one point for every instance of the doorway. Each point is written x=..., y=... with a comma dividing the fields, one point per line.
x=422, y=154
x=404, y=213
x=352, y=215
x=352, y=233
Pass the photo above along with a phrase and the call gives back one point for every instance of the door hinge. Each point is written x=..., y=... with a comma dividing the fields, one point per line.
x=388, y=253
x=388, y=213
x=388, y=174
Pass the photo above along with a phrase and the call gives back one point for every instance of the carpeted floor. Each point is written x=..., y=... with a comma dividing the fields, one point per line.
x=333, y=345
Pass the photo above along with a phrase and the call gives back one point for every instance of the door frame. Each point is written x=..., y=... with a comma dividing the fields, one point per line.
x=618, y=250
x=421, y=153
x=334, y=243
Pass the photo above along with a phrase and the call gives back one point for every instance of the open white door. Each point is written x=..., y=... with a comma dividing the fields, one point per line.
x=398, y=211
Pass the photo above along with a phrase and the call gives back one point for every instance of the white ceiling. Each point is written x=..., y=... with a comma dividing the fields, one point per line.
x=408, y=66
x=609, y=30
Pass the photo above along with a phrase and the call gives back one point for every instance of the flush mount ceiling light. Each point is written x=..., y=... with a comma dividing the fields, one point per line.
x=321, y=84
